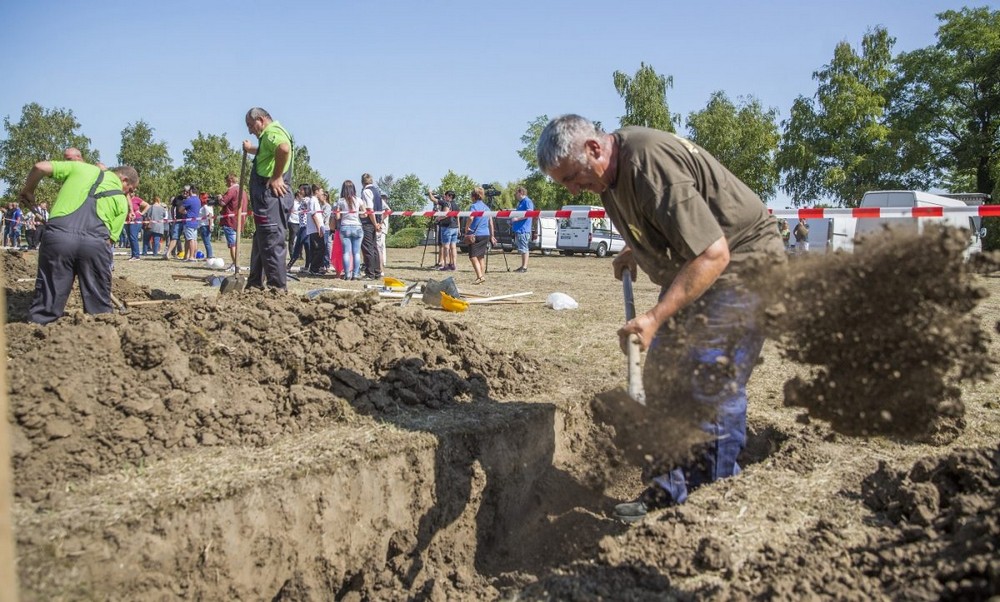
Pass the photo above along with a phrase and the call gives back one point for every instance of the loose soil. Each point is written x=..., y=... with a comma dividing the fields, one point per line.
x=338, y=446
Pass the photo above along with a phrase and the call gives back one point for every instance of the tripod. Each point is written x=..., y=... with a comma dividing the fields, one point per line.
x=427, y=237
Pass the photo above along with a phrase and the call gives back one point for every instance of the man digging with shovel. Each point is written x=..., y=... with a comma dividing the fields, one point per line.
x=696, y=230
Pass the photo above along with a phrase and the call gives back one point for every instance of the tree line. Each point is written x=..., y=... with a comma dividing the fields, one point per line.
x=877, y=120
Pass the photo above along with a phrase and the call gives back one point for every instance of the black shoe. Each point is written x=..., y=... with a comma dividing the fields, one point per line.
x=652, y=498
x=521, y=270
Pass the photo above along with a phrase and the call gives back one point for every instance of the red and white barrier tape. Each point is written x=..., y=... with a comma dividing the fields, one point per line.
x=816, y=213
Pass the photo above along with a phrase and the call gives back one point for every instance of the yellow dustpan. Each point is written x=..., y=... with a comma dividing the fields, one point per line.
x=390, y=282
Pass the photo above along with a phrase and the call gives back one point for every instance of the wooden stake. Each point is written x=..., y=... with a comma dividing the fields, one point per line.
x=8, y=573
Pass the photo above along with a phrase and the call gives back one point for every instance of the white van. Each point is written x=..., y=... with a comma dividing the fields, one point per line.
x=582, y=234
x=544, y=235
x=916, y=198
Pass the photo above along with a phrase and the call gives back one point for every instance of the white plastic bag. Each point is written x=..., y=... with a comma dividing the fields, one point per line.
x=561, y=301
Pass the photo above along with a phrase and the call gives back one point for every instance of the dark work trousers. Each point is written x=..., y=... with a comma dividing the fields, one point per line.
x=74, y=245
x=711, y=351
x=269, y=248
x=317, y=246
x=62, y=256
x=369, y=251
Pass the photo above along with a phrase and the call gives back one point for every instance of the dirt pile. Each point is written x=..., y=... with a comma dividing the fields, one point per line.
x=946, y=514
x=19, y=278
x=889, y=332
x=93, y=394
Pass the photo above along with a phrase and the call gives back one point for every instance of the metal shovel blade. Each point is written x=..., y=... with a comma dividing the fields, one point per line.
x=236, y=283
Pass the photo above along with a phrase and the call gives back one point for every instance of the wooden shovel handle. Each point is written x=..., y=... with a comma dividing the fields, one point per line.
x=635, y=388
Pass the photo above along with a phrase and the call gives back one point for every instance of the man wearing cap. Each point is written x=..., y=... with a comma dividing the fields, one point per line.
x=87, y=215
x=700, y=233
x=270, y=198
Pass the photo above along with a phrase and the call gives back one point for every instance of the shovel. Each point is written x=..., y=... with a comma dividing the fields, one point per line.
x=237, y=283
x=635, y=390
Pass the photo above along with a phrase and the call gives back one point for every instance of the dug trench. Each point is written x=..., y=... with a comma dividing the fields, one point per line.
x=339, y=448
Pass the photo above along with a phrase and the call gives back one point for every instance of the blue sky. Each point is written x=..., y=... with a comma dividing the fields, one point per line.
x=414, y=86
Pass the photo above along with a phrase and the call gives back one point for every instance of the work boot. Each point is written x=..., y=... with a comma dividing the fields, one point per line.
x=652, y=498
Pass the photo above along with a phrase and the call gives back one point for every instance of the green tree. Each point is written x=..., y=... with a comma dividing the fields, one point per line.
x=41, y=134
x=645, y=96
x=207, y=163
x=840, y=145
x=461, y=184
x=304, y=173
x=405, y=194
x=948, y=100
x=150, y=159
x=744, y=138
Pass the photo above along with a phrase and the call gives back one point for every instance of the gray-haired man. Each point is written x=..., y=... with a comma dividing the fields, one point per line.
x=695, y=229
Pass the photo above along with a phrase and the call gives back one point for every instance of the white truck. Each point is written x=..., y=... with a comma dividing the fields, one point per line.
x=544, y=235
x=582, y=234
x=916, y=198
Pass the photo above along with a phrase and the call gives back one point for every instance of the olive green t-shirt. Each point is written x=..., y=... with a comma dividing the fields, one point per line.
x=77, y=178
x=671, y=200
x=272, y=136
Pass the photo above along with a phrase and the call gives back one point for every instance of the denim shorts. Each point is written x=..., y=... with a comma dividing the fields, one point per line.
x=522, y=239
x=190, y=233
x=230, y=236
x=449, y=236
x=176, y=229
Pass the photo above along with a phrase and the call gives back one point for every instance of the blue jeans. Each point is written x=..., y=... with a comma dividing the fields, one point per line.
x=134, y=230
x=206, y=237
x=350, y=238
x=708, y=355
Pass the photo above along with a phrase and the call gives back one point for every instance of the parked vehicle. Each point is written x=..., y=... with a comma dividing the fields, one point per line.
x=916, y=198
x=544, y=236
x=582, y=234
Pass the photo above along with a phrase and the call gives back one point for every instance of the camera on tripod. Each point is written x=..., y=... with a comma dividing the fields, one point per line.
x=491, y=191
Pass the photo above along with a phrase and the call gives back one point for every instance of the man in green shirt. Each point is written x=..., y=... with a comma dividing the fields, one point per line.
x=270, y=199
x=697, y=231
x=86, y=217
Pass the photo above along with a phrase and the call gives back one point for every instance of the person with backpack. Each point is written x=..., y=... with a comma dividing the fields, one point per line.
x=801, y=233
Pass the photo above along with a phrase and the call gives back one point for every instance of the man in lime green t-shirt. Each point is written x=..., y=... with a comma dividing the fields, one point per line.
x=87, y=215
x=270, y=199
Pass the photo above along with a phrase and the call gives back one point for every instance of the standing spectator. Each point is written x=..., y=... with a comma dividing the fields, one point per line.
x=156, y=217
x=784, y=231
x=301, y=213
x=270, y=199
x=8, y=217
x=78, y=235
x=41, y=218
x=137, y=206
x=801, y=233
x=448, y=229
x=324, y=202
x=233, y=201
x=176, y=217
x=348, y=216
x=15, y=226
x=438, y=204
x=314, y=232
x=29, y=228
x=191, y=207
x=206, y=220
x=479, y=233
x=373, y=245
x=696, y=230
x=293, y=226
x=522, y=226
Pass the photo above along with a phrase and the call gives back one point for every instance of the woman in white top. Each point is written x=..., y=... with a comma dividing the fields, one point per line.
x=348, y=215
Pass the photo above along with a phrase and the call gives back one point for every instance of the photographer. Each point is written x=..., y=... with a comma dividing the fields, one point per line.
x=447, y=230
